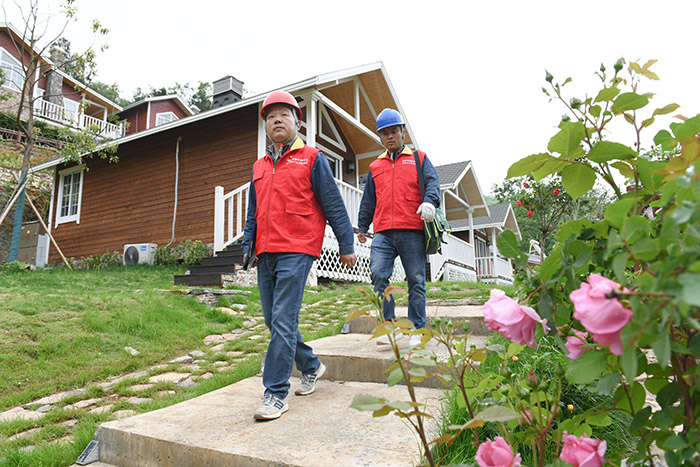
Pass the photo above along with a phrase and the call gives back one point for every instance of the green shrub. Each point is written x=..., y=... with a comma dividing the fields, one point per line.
x=106, y=260
x=188, y=253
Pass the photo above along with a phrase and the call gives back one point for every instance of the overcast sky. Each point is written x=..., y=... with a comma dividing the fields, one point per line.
x=467, y=74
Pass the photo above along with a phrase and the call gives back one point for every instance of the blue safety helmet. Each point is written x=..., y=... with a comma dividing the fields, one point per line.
x=389, y=117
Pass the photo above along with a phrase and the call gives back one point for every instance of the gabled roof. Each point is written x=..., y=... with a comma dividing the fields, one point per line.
x=378, y=90
x=502, y=217
x=459, y=181
x=174, y=97
x=451, y=173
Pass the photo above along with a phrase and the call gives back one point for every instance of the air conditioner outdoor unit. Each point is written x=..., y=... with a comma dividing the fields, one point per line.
x=139, y=253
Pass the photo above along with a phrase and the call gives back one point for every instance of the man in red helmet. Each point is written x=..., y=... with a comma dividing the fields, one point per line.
x=292, y=194
x=393, y=203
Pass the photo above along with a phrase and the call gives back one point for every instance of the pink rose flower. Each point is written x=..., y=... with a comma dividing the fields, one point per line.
x=575, y=342
x=496, y=454
x=583, y=451
x=514, y=322
x=603, y=317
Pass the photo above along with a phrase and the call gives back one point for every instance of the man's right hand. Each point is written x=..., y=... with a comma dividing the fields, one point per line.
x=362, y=238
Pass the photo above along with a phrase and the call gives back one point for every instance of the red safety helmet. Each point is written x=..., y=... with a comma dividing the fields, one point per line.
x=280, y=97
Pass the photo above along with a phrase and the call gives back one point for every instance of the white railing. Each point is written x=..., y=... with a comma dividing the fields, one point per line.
x=455, y=250
x=499, y=270
x=59, y=114
x=352, y=197
x=229, y=215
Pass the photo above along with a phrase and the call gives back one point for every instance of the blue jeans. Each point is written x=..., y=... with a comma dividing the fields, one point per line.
x=281, y=281
x=409, y=245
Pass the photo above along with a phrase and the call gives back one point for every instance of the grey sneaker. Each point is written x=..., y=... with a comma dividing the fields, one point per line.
x=308, y=382
x=270, y=408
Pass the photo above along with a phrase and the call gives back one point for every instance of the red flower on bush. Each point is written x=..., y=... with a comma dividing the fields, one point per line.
x=557, y=191
x=529, y=213
x=601, y=316
x=518, y=203
x=525, y=184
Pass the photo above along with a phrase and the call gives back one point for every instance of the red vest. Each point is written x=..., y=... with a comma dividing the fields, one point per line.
x=398, y=192
x=289, y=217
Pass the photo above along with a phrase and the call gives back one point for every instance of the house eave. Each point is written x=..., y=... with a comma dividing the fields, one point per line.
x=291, y=88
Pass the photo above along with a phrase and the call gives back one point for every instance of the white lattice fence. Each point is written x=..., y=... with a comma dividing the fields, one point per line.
x=329, y=265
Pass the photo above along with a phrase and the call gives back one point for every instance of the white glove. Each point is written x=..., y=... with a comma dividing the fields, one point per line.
x=426, y=211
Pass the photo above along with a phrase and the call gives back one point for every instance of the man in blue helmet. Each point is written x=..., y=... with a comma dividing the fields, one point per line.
x=392, y=200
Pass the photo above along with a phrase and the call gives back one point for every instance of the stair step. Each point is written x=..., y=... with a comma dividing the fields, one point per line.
x=217, y=268
x=218, y=429
x=469, y=314
x=209, y=279
x=354, y=357
x=222, y=260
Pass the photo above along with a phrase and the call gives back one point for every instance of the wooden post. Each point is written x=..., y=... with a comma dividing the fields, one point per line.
x=38, y=215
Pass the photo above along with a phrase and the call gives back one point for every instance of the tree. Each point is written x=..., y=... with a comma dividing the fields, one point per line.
x=541, y=207
x=33, y=67
x=198, y=100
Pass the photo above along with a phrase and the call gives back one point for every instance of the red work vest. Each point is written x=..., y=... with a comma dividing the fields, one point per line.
x=289, y=217
x=397, y=190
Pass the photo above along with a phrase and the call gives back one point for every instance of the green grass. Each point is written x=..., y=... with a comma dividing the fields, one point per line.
x=63, y=330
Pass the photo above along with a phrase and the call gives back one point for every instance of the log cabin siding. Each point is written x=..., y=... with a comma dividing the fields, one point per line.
x=132, y=201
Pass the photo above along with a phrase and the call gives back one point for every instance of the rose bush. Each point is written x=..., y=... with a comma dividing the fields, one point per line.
x=618, y=300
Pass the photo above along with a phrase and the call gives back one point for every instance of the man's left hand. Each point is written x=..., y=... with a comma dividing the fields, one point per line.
x=348, y=260
x=426, y=211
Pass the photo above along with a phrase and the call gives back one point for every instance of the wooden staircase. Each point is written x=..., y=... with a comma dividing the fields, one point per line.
x=209, y=272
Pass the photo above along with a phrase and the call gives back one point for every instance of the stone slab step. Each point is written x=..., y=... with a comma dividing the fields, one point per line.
x=470, y=314
x=354, y=357
x=218, y=429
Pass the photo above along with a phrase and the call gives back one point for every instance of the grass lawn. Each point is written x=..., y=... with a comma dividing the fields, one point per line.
x=62, y=330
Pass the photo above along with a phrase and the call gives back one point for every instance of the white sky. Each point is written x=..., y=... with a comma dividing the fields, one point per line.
x=468, y=74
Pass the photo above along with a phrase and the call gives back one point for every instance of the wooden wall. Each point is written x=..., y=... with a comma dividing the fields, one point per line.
x=132, y=201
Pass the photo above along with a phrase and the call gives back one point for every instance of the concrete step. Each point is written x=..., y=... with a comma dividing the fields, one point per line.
x=218, y=429
x=354, y=357
x=470, y=314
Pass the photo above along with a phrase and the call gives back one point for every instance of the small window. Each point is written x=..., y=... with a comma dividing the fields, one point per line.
x=70, y=191
x=165, y=117
x=12, y=73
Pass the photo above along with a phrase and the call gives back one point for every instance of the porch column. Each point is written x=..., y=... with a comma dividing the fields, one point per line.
x=311, y=121
x=494, y=250
x=262, y=135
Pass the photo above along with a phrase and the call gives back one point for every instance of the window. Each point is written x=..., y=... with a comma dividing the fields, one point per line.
x=165, y=117
x=70, y=192
x=11, y=71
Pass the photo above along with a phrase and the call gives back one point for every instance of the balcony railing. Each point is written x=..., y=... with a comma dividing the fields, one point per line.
x=498, y=270
x=56, y=113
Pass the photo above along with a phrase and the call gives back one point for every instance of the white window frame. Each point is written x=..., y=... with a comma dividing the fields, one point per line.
x=17, y=69
x=62, y=175
x=163, y=115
